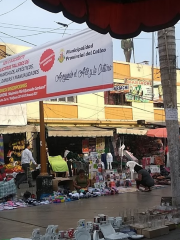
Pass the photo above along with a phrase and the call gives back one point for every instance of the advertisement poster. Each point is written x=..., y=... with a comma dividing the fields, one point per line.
x=75, y=65
x=1, y=149
x=92, y=144
x=139, y=91
x=85, y=145
x=158, y=93
x=100, y=144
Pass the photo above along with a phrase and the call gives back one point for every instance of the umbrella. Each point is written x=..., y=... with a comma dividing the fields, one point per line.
x=158, y=132
x=121, y=18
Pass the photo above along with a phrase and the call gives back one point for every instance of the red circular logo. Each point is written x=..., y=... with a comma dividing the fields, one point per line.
x=47, y=60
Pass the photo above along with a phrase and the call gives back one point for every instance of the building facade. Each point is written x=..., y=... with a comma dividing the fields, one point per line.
x=131, y=100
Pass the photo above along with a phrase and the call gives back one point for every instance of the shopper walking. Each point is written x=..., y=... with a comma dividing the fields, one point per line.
x=26, y=158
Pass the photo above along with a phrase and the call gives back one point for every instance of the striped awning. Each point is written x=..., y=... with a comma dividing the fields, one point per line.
x=79, y=132
x=132, y=131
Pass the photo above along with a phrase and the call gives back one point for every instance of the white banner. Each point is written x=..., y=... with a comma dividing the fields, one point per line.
x=75, y=65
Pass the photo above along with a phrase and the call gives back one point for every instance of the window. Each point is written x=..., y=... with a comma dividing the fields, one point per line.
x=115, y=99
x=71, y=99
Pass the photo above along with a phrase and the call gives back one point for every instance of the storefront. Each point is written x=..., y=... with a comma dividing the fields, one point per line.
x=78, y=139
x=12, y=143
x=149, y=151
x=13, y=139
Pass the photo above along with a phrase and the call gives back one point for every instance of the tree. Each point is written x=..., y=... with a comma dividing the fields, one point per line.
x=167, y=58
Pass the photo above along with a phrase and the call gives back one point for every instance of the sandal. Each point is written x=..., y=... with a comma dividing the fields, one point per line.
x=146, y=190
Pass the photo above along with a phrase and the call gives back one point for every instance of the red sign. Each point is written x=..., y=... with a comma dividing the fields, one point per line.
x=24, y=91
x=82, y=63
x=47, y=60
x=85, y=146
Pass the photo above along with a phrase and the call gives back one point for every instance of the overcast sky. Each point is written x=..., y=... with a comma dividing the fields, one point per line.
x=38, y=26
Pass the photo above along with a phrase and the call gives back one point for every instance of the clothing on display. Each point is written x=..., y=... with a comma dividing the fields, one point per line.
x=58, y=164
x=103, y=159
x=121, y=150
x=109, y=159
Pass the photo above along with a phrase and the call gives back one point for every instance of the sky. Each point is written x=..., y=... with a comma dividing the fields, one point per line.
x=36, y=26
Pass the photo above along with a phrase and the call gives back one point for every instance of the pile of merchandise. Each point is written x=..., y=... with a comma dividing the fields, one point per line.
x=9, y=205
x=131, y=224
x=12, y=167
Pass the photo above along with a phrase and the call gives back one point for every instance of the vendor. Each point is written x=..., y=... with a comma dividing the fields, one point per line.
x=26, y=159
x=81, y=181
x=144, y=179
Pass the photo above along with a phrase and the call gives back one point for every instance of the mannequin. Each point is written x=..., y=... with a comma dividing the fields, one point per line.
x=109, y=159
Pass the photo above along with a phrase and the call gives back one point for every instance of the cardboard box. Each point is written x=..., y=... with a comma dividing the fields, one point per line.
x=170, y=225
x=137, y=229
x=152, y=233
x=63, y=181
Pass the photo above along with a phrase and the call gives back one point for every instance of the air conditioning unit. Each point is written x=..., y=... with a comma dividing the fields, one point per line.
x=141, y=122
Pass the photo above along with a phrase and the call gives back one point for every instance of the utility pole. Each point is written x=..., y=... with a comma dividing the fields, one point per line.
x=167, y=58
x=133, y=51
x=42, y=141
x=152, y=66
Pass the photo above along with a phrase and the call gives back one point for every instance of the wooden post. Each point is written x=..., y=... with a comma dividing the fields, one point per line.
x=43, y=158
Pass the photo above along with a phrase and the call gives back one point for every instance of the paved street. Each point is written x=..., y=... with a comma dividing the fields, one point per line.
x=21, y=222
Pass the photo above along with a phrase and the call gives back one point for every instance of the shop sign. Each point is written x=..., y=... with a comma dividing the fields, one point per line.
x=85, y=146
x=139, y=91
x=78, y=64
x=120, y=88
x=100, y=144
x=92, y=144
x=158, y=93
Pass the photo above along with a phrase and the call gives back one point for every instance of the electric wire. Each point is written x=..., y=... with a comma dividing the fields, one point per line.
x=94, y=109
x=36, y=34
x=10, y=24
x=31, y=30
x=7, y=45
x=18, y=38
x=13, y=9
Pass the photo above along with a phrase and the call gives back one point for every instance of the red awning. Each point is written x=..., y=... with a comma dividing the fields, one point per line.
x=158, y=132
x=121, y=18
